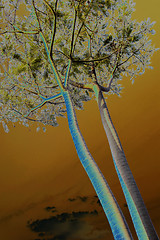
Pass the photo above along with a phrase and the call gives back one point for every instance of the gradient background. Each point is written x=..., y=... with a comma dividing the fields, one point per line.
x=41, y=176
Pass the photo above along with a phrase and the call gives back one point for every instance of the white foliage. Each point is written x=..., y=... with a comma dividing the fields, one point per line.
x=108, y=32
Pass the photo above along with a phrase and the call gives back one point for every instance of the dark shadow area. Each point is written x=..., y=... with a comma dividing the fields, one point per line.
x=75, y=225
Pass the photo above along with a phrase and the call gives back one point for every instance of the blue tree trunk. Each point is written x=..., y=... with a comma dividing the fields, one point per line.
x=140, y=217
x=115, y=217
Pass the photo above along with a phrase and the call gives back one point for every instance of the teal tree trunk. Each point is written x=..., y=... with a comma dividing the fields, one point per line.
x=115, y=217
x=140, y=217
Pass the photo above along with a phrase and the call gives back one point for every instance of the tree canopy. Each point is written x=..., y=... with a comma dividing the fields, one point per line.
x=74, y=35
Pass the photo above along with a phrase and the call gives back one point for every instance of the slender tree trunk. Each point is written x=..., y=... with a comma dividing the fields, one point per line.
x=115, y=217
x=142, y=222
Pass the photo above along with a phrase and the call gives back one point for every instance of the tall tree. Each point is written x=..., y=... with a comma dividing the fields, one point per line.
x=131, y=51
x=31, y=71
x=92, y=43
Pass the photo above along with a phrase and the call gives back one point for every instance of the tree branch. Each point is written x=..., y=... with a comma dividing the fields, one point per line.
x=104, y=89
x=67, y=74
x=81, y=28
x=114, y=69
x=58, y=51
x=20, y=31
x=74, y=45
x=21, y=87
x=37, y=18
x=31, y=119
x=73, y=31
x=81, y=85
x=45, y=100
x=94, y=59
x=131, y=55
x=58, y=79
x=54, y=25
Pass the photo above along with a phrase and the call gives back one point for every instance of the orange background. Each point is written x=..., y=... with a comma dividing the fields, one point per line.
x=42, y=169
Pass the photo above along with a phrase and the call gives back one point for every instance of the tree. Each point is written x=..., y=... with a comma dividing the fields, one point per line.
x=126, y=38
x=133, y=50
x=28, y=84
x=81, y=56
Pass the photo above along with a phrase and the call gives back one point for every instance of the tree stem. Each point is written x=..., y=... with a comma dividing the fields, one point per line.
x=115, y=217
x=140, y=217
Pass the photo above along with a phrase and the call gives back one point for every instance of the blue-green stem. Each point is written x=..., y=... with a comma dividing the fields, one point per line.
x=115, y=217
x=140, y=217
x=45, y=100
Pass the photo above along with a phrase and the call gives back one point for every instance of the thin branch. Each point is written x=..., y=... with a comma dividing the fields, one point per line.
x=35, y=80
x=89, y=45
x=31, y=119
x=67, y=73
x=56, y=103
x=41, y=12
x=92, y=31
x=89, y=86
x=53, y=34
x=51, y=98
x=58, y=79
x=114, y=69
x=73, y=31
x=33, y=109
x=21, y=87
x=54, y=25
x=139, y=59
x=38, y=94
x=20, y=31
x=58, y=51
x=54, y=86
x=16, y=6
x=95, y=59
x=37, y=18
x=45, y=100
x=131, y=55
x=50, y=7
x=82, y=85
x=104, y=89
x=142, y=31
x=74, y=45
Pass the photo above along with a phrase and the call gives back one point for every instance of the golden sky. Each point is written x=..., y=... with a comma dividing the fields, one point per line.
x=39, y=170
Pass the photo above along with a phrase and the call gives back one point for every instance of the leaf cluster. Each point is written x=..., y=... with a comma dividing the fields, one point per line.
x=87, y=32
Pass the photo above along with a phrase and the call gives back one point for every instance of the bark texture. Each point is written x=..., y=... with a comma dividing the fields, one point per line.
x=115, y=217
x=140, y=217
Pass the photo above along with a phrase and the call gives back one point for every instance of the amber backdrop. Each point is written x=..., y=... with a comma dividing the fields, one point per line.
x=42, y=169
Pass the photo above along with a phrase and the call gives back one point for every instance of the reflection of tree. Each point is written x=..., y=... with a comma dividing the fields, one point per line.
x=52, y=57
